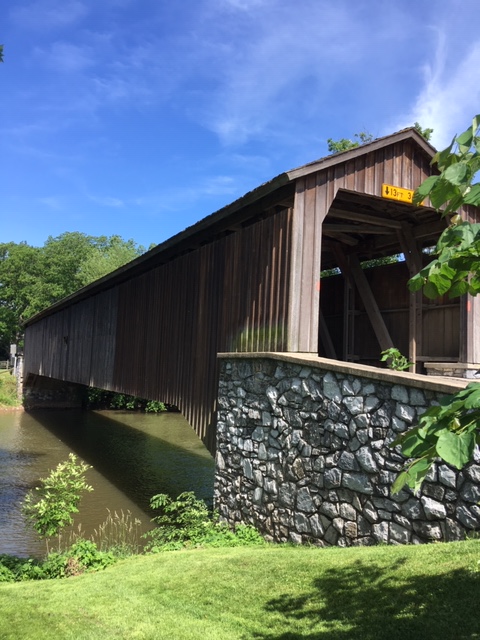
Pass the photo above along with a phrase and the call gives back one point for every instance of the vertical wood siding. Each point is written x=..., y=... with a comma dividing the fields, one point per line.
x=157, y=335
x=401, y=164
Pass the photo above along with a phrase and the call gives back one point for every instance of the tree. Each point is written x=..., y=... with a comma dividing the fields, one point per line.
x=426, y=133
x=451, y=430
x=20, y=266
x=109, y=254
x=456, y=270
x=337, y=146
x=33, y=278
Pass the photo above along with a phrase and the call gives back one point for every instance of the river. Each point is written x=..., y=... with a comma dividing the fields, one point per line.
x=133, y=456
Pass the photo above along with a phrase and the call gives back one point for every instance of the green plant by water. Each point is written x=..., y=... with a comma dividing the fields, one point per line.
x=48, y=508
x=187, y=522
x=102, y=399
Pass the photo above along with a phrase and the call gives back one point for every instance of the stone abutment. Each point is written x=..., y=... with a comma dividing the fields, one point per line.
x=303, y=454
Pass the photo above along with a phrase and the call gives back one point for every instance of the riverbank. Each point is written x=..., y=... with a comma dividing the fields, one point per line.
x=9, y=400
x=268, y=593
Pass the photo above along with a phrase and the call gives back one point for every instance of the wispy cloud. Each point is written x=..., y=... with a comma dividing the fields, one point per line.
x=107, y=201
x=52, y=202
x=64, y=56
x=450, y=96
x=49, y=14
x=272, y=61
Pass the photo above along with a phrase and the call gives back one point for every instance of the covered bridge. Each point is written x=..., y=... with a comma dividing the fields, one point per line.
x=247, y=278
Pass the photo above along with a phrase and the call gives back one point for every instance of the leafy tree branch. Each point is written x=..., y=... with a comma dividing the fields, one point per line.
x=451, y=430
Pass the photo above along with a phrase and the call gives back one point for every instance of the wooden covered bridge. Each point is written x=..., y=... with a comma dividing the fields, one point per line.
x=247, y=278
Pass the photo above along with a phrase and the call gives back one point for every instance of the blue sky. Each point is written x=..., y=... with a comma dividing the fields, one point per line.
x=140, y=117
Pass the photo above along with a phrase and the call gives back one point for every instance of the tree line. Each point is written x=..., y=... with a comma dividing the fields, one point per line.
x=33, y=278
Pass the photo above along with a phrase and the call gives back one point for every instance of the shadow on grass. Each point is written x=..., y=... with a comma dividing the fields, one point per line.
x=371, y=603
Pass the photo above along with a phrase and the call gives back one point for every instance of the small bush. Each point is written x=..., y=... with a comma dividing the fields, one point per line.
x=101, y=399
x=154, y=406
x=80, y=557
x=14, y=569
x=49, y=507
x=187, y=522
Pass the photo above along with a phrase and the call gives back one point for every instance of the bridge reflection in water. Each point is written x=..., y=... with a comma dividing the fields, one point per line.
x=133, y=456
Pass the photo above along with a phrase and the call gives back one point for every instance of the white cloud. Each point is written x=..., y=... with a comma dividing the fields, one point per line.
x=242, y=5
x=450, y=98
x=107, y=201
x=275, y=63
x=449, y=92
x=52, y=202
x=64, y=56
x=49, y=14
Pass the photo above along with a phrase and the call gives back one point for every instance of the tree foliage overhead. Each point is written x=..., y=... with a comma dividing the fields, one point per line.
x=33, y=278
x=456, y=269
x=426, y=133
x=337, y=146
x=344, y=144
x=451, y=430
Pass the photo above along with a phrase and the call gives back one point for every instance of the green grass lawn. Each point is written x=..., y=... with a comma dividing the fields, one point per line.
x=264, y=593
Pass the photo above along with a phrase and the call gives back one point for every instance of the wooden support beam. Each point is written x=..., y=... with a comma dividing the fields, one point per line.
x=326, y=339
x=355, y=273
x=413, y=259
x=356, y=228
x=342, y=237
x=364, y=217
x=410, y=250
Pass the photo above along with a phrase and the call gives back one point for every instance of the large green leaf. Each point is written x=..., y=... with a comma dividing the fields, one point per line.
x=464, y=140
x=456, y=449
x=440, y=281
x=442, y=192
x=416, y=283
x=458, y=289
x=415, y=445
x=442, y=157
x=473, y=399
x=424, y=189
x=473, y=196
x=456, y=174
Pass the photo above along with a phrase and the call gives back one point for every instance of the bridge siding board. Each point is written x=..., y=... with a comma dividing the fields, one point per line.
x=103, y=339
x=189, y=321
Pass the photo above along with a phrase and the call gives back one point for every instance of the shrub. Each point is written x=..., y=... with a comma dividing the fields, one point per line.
x=186, y=522
x=49, y=507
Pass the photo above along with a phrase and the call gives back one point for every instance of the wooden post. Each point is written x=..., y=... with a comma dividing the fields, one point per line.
x=413, y=259
x=326, y=339
x=310, y=208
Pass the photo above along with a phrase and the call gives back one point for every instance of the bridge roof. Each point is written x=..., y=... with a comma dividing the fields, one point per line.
x=276, y=193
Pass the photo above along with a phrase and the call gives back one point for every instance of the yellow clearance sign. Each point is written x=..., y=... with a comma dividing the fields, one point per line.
x=397, y=193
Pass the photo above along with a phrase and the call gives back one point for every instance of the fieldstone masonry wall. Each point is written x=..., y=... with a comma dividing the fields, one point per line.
x=303, y=454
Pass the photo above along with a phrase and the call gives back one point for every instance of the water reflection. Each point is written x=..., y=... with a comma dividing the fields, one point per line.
x=133, y=457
